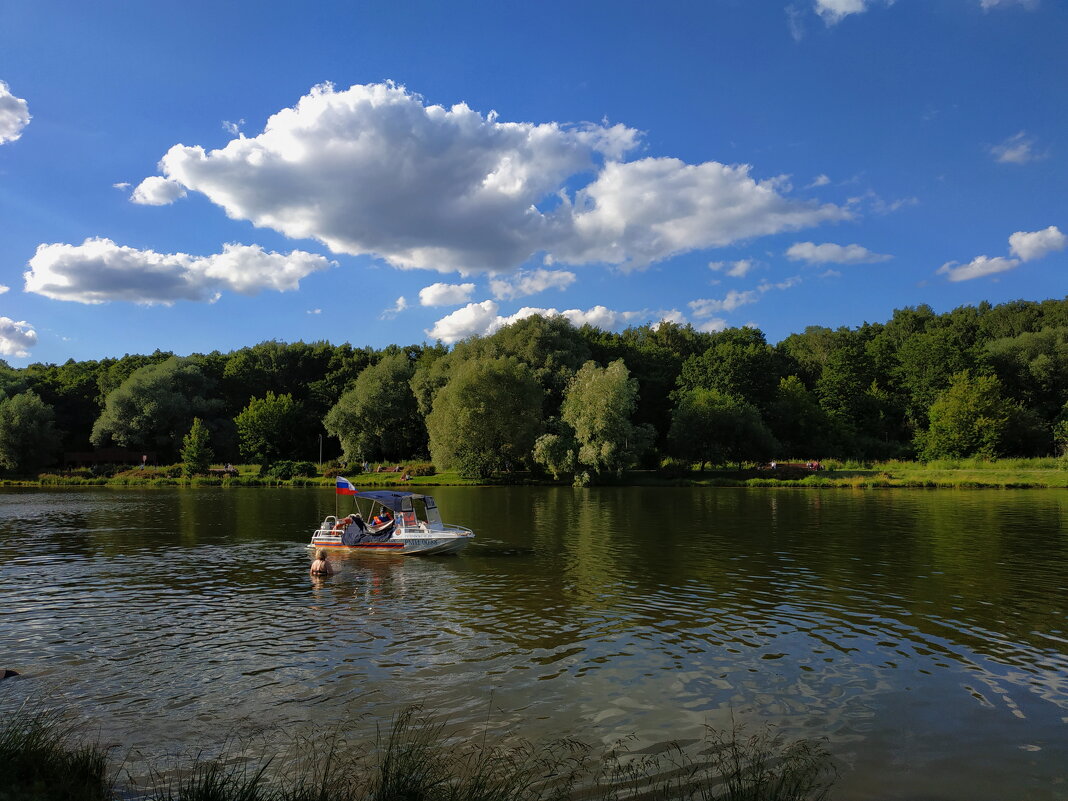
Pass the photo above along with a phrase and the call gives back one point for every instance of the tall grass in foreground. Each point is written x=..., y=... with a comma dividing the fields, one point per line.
x=43, y=758
x=417, y=760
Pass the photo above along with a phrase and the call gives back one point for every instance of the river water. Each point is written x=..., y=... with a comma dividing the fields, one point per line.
x=924, y=634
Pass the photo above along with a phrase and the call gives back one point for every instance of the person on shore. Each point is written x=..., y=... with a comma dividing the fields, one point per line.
x=321, y=567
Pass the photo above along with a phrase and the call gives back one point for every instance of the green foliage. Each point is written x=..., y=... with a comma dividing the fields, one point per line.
x=970, y=418
x=600, y=437
x=711, y=426
x=798, y=422
x=42, y=758
x=286, y=470
x=154, y=408
x=196, y=450
x=486, y=418
x=379, y=418
x=739, y=363
x=266, y=427
x=28, y=437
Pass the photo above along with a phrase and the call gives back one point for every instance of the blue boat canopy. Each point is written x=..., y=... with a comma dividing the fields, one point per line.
x=391, y=500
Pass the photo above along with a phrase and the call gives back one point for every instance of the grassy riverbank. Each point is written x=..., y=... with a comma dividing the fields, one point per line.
x=1047, y=473
x=43, y=759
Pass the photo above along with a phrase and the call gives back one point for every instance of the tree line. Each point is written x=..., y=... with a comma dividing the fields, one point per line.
x=576, y=403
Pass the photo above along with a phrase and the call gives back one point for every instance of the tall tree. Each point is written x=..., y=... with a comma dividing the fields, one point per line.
x=196, y=450
x=970, y=418
x=598, y=430
x=154, y=408
x=266, y=428
x=378, y=418
x=486, y=418
x=28, y=437
x=711, y=426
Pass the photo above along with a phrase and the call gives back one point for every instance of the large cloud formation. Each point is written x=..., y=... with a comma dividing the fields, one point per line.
x=98, y=270
x=16, y=338
x=14, y=116
x=374, y=170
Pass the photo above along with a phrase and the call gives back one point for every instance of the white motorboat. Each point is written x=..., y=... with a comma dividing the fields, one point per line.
x=405, y=523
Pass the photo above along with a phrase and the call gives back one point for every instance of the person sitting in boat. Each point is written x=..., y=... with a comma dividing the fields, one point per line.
x=321, y=567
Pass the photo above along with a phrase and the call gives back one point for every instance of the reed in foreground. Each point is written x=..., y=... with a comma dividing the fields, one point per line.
x=43, y=758
x=417, y=759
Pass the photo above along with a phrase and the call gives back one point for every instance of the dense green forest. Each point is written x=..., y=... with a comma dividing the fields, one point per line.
x=574, y=403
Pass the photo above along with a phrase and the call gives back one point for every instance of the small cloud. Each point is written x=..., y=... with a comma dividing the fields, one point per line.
x=1017, y=149
x=400, y=305
x=830, y=274
x=735, y=269
x=14, y=116
x=233, y=128
x=766, y=286
x=989, y=4
x=705, y=307
x=122, y=185
x=795, y=22
x=713, y=325
x=830, y=253
x=978, y=267
x=525, y=283
x=834, y=11
x=157, y=191
x=445, y=294
x=879, y=206
x=1035, y=245
x=315, y=311
x=819, y=180
x=4, y=289
x=16, y=338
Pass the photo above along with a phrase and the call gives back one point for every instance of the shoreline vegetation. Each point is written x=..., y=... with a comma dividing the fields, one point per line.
x=1037, y=473
x=45, y=757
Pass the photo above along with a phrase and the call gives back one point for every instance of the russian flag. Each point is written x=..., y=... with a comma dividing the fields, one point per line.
x=345, y=487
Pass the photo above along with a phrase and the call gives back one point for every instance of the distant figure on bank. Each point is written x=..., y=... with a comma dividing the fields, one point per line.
x=321, y=567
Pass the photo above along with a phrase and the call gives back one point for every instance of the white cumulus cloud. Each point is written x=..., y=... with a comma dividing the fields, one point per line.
x=14, y=116
x=16, y=337
x=483, y=319
x=735, y=269
x=530, y=282
x=977, y=268
x=705, y=307
x=373, y=169
x=989, y=4
x=445, y=294
x=1036, y=244
x=1017, y=149
x=398, y=306
x=830, y=253
x=98, y=270
x=834, y=11
x=157, y=191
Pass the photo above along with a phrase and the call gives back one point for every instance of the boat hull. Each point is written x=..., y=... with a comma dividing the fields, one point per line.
x=429, y=544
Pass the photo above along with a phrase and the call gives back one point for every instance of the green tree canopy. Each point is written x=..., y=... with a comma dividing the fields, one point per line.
x=711, y=426
x=971, y=418
x=28, y=438
x=196, y=449
x=739, y=363
x=378, y=418
x=599, y=436
x=486, y=418
x=266, y=428
x=154, y=408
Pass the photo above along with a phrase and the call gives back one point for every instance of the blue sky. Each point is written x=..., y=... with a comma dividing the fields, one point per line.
x=202, y=176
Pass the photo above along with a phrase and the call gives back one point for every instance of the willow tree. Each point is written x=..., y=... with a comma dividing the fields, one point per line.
x=597, y=436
